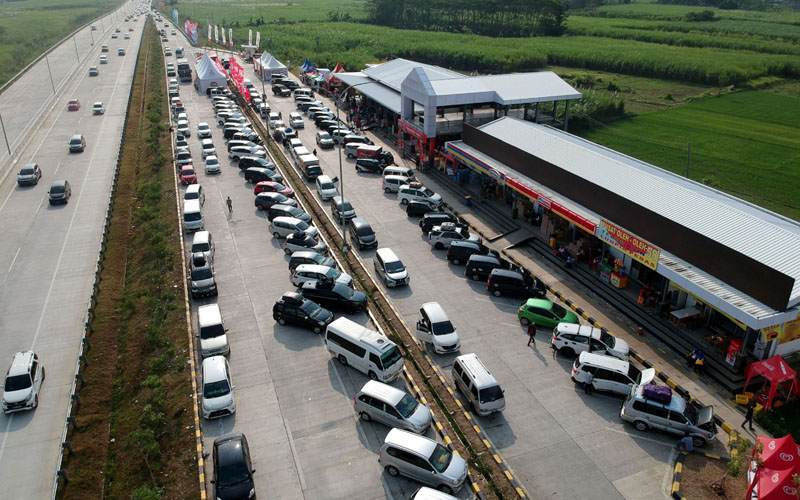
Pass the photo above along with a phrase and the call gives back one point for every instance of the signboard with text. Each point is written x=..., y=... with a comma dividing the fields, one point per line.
x=630, y=244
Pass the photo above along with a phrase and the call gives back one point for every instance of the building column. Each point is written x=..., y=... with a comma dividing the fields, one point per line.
x=525, y=111
x=494, y=107
x=505, y=110
x=464, y=110
x=555, y=103
x=536, y=114
x=566, y=115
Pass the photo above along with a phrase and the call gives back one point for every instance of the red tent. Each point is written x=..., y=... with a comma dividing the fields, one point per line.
x=339, y=68
x=775, y=371
x=779, y=453
x=776, y=484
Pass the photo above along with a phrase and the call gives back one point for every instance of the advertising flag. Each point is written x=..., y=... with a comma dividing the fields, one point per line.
x=175, y=16
x=216, y=34
x=237, y=75
x=191, y=31
x=209, y=32
x=258, y=39
x=223, y=37
x=230, y=37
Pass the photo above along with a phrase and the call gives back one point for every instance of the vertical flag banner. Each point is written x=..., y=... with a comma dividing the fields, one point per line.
x=224, y=42
x=237, y=75
x=249, y=37
x=175, y=16
x=216, y=34
x=191, y=31
x=258, y=40
x=209, y=32
x=230, y=37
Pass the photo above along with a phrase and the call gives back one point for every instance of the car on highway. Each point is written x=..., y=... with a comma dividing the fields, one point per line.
x=544, y=312
x=93, y=71
x=281, y=227
x=29, y=174
x=254, y=175
x=293, y=308
x=264, y=201
x=116, y=30
x=233, y=469
x=218, y=400
x=273, y=187
x=59, y=192
x=120, y=51
x=326, y=187
x=188, y=175
x=212, y=165
x=73, y=105
x=316, y=272
x=324, y=140
x=441, y=236
x=302, y=241
x=287, y=211
x=114, y=36
x=98, y=108
x=571, y=338
x=103, y=59
x=23, y=383
x=208, y=148
x=104, y=48
x=202, y=282
x=237, y=152
x=334, y=296
x=77, y=143
x=127, y=36
x=203, y=130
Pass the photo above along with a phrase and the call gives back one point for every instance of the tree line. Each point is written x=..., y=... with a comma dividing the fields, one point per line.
x=496, y=18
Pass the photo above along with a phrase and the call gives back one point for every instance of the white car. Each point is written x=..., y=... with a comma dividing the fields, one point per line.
x=296, y=120
x=326, y=187
x=98, y=109
x=572, y=339
x=23, y=383
x=183, y=128
x=212, y=165
x=316, y=272
x=203, y=130
x=440, y=237
x=182, y=116
x=103, y=59
x=417, y=192
x=281, y=227
x=217, y=388
x=435, y=328
x=208, y=147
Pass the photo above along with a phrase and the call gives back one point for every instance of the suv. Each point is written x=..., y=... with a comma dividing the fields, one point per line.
x=515, y=284
x=440, y=237
x=367, y=165
x=430, y=220
x=23, y=383
x=287, y=211
x=266, y=200
x=341, y=209
x=315, y=272
x=246, y=162
x=254, y=175
x=293, y=308
x=417, y=192
x=281, y=91
x=571, y=338
x=60, y=191
x=29, y=174
x=362, y=234
x=423, y=459
x=334, y=295
x=461, y=250
x=201, y=278
x=77, y=144
x=302, y=241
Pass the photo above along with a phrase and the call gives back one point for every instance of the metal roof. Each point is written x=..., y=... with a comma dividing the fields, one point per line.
x=393, y=73
x=765, y=236
x=515, y=88
x=378, y=92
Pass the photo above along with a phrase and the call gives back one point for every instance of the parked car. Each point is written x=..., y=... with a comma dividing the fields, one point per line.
x=389, y=267
x=188, y=175
x=571, y=338
x=73, y=105
x=202, y=281
x=544, y=313
x=212, y=165
x=326, y=187
x=237, y=152
x=281, y=227
x=183, y=128
x=287, y=211
x=281, y=91
x=182, y=158
x=23, y=382
x=316, y=272
x=246, y=162
x=266, y=200
x=309, y=257
x=293, y=308
x=203, y=130
x=391, y=406
x=254, y=175
x=435, y=328
x=514, y=283
x=341, y=209
x=29, y=174
x=273, y=187
x=610, y=374
x=421, y=458
x=334, y=296
x=440, y=237
x=361, y=233
x=417, y=192
x=93, y=71
x=302, y=241
x=371, y=166
x=430, y=220
x=419, y=208
x=218, y=400
x=208, y=148
x=324, y=140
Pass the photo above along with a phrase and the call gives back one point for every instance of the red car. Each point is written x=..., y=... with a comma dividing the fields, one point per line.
x=273, y=187
x=188, y=176
x=73, y=105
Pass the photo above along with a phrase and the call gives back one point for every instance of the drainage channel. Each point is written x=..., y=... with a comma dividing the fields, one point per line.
x=489, y=475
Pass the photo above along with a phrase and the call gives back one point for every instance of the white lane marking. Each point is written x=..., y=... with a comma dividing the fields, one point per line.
x=5, y=436
x=12, y=262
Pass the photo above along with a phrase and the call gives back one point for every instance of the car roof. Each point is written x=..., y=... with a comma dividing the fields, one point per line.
x=384, y=392
x=604, y=360
x=20, y=363
x=465, y=243
x=387, y=254
x=359, y=222
x=201, y=237
x=60, y=182
x=540, y=303
x=411, y=441
x=287, y=219
x=229, y=448
x=476, y=257
x=435, y=312
x=76, y=136
x=482, y=376
x=214, y=369
x=507, y=273
x=314, y=268
x=577, y=329
x=677, y=403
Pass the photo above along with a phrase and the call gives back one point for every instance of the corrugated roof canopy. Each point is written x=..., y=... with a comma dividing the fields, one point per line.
x=393, y=73
x=515, y=88
x=378, y=92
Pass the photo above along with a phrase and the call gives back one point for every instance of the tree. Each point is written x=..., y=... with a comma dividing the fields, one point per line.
x=144, y=440
x=740, y=460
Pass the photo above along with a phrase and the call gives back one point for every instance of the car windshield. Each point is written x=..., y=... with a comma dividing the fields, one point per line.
x=427, y=192
x=324, y=135
x=212, y=161
x=216, y=389
x=333, y=273
x=201, y=247
x=390, y=357
x=395, y=267
x=440, y=458
x=26, y=171
x=607, y=339
x=345, y=291
x=192, y=217
x=201, y=274
x=490, y=394
x=407, y=406
x=187, y=171
x=364, y=231
x=326, y=185
x=231, y=474
x=75, y=141
x=279, y=187
x=311, y=308
x=303, y=225
x=18, y=382
x=443, y=328
x=691, y=414
x=57, y=189
x=559, y=311
x=211, y=332
x=346, y=206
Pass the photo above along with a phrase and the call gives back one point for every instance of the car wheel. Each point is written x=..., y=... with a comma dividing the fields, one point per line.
x=640, y=425
x=387, y=190
x=524, y=321
x=282, y=322
x=372, y=375
x=445, y=489
x=404, y=201
x=392, y=471
x=342, y=360
x=567, y=351
x=698, y=441
x=365, y=416
x=438, y=245
x=475, y=277
x=456, y=262
x=288, y=251
x=276, y=235
x=317, y=330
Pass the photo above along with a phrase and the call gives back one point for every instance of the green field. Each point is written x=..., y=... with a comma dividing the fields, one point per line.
x=29, y=27
x=746, y=143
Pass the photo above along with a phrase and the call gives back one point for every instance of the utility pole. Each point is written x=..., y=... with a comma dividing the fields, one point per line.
x=47, y=60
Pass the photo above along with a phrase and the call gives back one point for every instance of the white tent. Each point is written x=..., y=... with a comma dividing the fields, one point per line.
x=268, y=66
x=208, y=75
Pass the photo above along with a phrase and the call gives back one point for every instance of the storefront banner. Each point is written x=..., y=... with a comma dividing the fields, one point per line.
x=486, y=169
x=791, y=331
x=630, y=244
x=548, y=204
x=734, y=347
x=771, y=332
x=544, y=202
x=413, y=132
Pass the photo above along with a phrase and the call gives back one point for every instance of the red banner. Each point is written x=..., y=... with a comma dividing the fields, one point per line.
x=237, y=75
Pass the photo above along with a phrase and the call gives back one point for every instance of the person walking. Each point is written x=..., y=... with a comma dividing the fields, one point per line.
x=230, y=205
x=532, y=334
x=699, y=362
x=748, y=416
x=588, y=388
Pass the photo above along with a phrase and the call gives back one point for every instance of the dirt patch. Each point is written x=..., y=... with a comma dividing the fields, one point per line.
x=699, y=472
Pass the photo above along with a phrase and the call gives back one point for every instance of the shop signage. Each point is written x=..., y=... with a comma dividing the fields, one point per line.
x=630, y=244
x=544, y=202
x=791, y=331
x=771, y=332
x=410, y=130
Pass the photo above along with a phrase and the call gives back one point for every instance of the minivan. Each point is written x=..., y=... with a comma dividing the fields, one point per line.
x=514, y=284
x=192, y=216
x=315, y=272
x=326, y=187
x=676, y=416
x=212, y=333
x=362, y=234
x=401, y=171
x=391, y=406
x=365, y=350
x=435, y=328
x=77, y=144
x=309, y=257
x=392, y=183
x=610, y=374
x=479, y=267
x=460, y=251
x=217, y=388
x=341, y=209
x=281, y=227
x=478, y=385
x=302, y=92
x=418, y=193
x=389, y=267
x=203, y=243
x=309, y=164
x=411, y=455
x=59, y=192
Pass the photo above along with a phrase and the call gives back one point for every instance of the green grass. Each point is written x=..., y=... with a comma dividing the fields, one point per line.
x=746, y=143
x=29, y=27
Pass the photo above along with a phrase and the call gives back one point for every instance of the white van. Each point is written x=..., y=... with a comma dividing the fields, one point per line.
x=610, y=373
x=212, y=333
x=203, y=243
x=192, y=216
x=302, y=92
x=217, y=388
x=309, y=164
x=389, y=267
x=299, y=151
x=195, y=192
x=365, y=350
x=392, y=183
x=435, y=328
x=478, y=385
x=401, y=171
x=418, y=192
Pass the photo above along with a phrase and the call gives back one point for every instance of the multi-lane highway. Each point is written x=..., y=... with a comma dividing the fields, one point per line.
x=48, y=252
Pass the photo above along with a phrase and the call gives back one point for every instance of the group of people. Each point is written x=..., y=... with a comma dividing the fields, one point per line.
x=696, y=360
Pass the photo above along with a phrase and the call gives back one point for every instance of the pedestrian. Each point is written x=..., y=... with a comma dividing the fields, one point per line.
x=532, y=334
x=587, y=383
x=686, y=443
x=690, y=356
x=230, y=205
x=699, y=362
x=315, y=151
x=748, y=417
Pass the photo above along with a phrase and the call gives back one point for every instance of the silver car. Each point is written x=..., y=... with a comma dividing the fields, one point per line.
x=393, y=407
x=201, y=277
x=411, y=455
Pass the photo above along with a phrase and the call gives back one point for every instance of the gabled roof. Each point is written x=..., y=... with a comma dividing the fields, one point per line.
x=515, y=88
x=393, y=73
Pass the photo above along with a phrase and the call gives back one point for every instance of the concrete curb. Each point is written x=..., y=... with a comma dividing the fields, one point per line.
x=677, y=471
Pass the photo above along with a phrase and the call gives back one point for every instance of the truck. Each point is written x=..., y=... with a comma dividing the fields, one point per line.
x=184, y=70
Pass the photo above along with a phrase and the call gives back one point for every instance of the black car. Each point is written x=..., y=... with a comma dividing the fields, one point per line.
x=258, y=174
x=60, y=191
x=265, y=200
x=287, y=82
x=362, y=234
x=330, y=122
x=419, y=208
x=246, y=162
x=385, y=158
x=514, y=284
x=295, y=309
x=479, y=266
x=303, y=241
x=233, y=469
x=334, y=295
x=230, y=130
x=309, y=257
x=431, y=220
x=281, y=91
x=368, y=165
x=460, y=251
x=248, y=136
x=322, y=117
x=287, y=211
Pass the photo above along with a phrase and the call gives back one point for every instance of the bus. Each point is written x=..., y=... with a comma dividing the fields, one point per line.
x=184, y=70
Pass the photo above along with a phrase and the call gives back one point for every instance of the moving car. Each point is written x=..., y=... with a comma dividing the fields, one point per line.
x=203, y=130
x=93, y=71
x=73, y=105
x=77, y=143
x=367, y=165
x=390, y=268
x=544, y=312
x=212, y=165
x=29, y=174
x=254, y=175
x=103, y=59
x=98, y=109
x=23, y=383
x=208, y=148
x=59, y=192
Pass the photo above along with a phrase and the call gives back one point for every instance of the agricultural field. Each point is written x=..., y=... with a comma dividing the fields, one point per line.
x=29, y=27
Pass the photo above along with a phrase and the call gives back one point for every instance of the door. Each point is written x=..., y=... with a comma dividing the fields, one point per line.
x=424, y=328
x=603, y=380
x=620, y=383
x=393, y=418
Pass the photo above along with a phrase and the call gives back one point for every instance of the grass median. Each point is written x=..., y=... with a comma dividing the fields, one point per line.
x=135, y=436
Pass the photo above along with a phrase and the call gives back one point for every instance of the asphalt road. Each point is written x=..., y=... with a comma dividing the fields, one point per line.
x=48, y=253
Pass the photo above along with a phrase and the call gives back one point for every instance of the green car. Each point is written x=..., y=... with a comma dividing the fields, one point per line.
x=544, y=313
